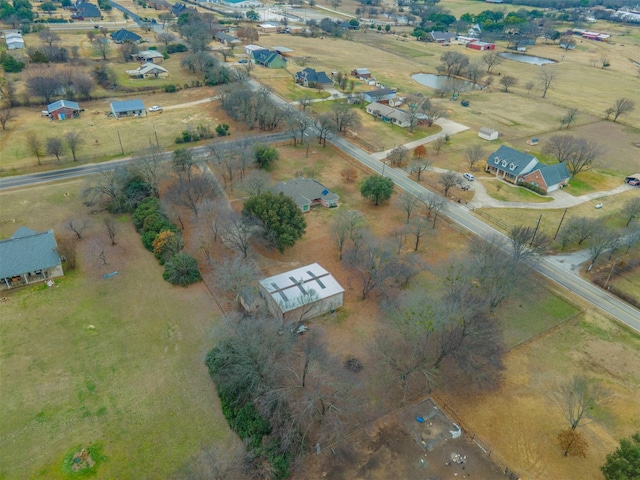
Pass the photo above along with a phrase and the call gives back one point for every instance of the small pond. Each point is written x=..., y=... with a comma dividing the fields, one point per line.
x=530, y=59
x=442, y=81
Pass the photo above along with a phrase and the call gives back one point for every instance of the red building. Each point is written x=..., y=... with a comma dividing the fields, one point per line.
x=478, y=45
x=63, y=109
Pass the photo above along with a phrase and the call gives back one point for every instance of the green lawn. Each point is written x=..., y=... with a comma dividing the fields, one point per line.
x=532, y=311
x=508, y=193
x=98, y=361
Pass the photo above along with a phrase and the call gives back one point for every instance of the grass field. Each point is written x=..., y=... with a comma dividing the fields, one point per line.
x=116, y=362
x=507, y=193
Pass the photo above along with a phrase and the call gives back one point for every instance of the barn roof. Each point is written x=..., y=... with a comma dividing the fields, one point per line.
x=127, y=106
x=28, y=251
x=52, y=107
x=291, y=289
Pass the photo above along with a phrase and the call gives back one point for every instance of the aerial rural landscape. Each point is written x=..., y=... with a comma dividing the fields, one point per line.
x=375, y=239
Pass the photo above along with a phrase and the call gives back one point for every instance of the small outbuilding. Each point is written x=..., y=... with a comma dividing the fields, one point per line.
x=302, y=294
x=29, y=257
x=14, y=40
x=63, y=109
x=380, y=95
x=482, y=46
x=361, y=73
x=128, y=108
x=488, y=133
x=148, y=56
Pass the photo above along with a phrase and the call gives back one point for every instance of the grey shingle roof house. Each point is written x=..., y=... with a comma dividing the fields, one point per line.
x=310, y=78
x=29, y=257
x=87, y=10
x=123, y=35
x=128, y=108
x=307, y=192
x=519, y=167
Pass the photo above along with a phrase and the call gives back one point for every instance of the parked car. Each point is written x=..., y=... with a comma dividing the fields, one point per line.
x=600, y=205
x=155, y=108
x=634, y=183
x=469, y=176
x=243, y=60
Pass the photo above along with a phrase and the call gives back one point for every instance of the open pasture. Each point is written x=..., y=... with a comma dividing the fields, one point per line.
x=116, y=362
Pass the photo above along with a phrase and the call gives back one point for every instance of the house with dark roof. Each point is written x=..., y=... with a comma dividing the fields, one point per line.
x=180, y=9
x=380, y=95
x=312, y=79
x=149, y=70
x=307, y=193
x=29, y=257
x=63, y=109
x=520, y=168
x=441, y=37
x=87, y=10
x=128, y=108
x=268, y=58
x=395, y=116
x=122, y=35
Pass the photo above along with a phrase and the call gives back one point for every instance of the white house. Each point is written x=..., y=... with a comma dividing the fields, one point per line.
x=301, y=294
x=488, y=133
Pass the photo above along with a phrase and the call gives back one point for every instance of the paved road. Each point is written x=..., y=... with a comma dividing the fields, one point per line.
x=92, y=168
x=460, y=214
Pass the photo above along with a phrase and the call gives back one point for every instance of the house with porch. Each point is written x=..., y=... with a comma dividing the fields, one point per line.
x=63, y=109
x=394, y=115
x=29, y=257
x=149, y=70
x=520, y=168
x=128, y=108
x=148, y=56
x=226, y=39
x=307, y=193
x=441, y=37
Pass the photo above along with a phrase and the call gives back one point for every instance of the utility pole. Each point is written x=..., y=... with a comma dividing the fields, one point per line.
x=120, y=140
x=535, y=232
x=560, y=224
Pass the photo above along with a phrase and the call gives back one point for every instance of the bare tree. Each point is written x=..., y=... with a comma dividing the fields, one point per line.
x=508, y=81
x=434, y=111
x=438, y=144
x=474, y=154
x=529, y=86
x=546, y=77
x=55, y=147
x=237, y=231
x=73, y=140
x=344, y=116
x=526, y=243
x=602, y=240
x=622, y=107
x=492, y=59
x=474, y=72
x=101, y=47
x=397, y=156
x=632, y=209
x=77, y=226
x=413, y=110
x=418, y=227
x=346, y=226
x=190, y=193
x=448, y=180
x=236, y=274
x=6, y=114
x=166, y=38
x=256, y=182
x=42, y=81
x=111, y=228
x=569, y=118
x=305, y=102
x=419, y=166
x=374, y=263
x=580, y=400
x=577, y=153
x=408, y=203
x=103, y=189
x=579, y=229
x=435, y=205
x=217, y=462
x=149, y=166
x=325, y=126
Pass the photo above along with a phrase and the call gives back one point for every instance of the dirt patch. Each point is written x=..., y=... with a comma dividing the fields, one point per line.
x=82, y=461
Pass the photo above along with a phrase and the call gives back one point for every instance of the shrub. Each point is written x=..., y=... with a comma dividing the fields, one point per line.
x=533, y=188
x=176, y=48
x=170, y=88
x=222, y=130
x=182, y=270
x=146, y=207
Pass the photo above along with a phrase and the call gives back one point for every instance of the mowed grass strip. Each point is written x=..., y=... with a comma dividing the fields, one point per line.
x=117, y=361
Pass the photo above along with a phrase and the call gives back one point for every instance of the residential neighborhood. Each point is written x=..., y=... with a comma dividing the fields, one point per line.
x=252, y=239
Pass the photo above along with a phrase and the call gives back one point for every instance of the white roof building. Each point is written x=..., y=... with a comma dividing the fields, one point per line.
x=301, y=294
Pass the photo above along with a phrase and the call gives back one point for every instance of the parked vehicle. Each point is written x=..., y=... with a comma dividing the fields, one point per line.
x=155, y=108
x=469, y=176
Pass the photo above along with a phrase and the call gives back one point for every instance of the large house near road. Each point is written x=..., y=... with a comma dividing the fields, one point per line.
x=310, y=78
x=268, y=58
x=128, y=108
x=226, y=39
x=520, y=168
x=307, y=193
x=29, y=257
x=86, y=10
x=63, y=109
x=301, y=294
x=180, y=9
x=122, y=35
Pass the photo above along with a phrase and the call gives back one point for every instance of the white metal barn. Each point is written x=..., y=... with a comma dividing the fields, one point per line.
x=488, y=133
x=301, y=294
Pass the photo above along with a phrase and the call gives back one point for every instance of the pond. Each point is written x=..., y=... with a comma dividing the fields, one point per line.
x=442, y=81
x=530, y=59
